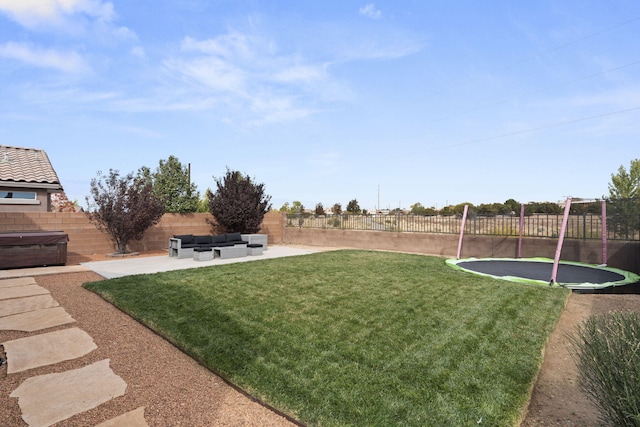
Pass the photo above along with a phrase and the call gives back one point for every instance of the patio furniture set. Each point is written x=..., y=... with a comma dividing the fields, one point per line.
x=223, y=246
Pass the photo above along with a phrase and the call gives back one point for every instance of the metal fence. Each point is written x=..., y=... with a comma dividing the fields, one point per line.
x=585, y=226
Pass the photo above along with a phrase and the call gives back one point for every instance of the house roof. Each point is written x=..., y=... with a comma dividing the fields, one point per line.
x=27, y=167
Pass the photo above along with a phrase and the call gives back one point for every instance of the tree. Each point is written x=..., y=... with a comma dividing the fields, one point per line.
x=336, y=209
x=626, y=184
x=549, y=208
x=353, y=207
x=203, y=204
x=285, y=207
x=319, y=209
x=297, y=207
x=488, y=209
x=512, y=206
x=171, y=184
x=123, y=207
x=61, y=203
x=417, y=209
x=446, y=210
x=459, y=208
x=239, y=204
x=624, y=198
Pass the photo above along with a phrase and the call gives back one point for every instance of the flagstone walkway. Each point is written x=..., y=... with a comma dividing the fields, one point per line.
x=47, y=399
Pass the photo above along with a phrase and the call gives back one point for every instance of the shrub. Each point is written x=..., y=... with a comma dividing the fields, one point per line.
x=239, y=204
x=607, y=353
x=123, y=207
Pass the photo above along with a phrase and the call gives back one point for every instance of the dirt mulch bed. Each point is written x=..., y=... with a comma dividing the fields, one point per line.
x=556, y=399
x=177, y=391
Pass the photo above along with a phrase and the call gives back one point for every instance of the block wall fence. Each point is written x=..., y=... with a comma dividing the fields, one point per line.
x=86, y=241
x=624, y=255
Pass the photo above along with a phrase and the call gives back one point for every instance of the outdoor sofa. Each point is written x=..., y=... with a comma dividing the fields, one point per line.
x=182, y=246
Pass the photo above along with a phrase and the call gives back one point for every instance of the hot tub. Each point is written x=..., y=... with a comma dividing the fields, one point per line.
x=33, y=248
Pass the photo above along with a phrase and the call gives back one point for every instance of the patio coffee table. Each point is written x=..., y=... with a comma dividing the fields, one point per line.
x=254, y=249
x=230, y=251
x=202, y=254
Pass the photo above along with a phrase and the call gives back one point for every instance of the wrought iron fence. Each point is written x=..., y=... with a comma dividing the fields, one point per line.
x=585, y=226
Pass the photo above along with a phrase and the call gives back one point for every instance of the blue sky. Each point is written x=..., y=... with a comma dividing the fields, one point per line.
x=437, y=102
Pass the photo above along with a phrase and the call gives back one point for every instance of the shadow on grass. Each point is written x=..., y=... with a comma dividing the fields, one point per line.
x=182, y=316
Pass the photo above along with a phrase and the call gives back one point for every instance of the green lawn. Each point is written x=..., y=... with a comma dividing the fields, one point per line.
x=356, y=337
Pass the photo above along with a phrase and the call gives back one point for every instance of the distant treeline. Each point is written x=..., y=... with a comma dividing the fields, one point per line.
x=510, y=207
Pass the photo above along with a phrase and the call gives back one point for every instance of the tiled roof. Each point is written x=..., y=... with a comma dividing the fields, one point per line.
x=26, y=166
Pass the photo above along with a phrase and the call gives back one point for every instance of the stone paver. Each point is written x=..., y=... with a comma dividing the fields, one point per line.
x=47, y=349
x=47, y=399
x=17, y=281
x=36, y=320
x=21, y=291
x=134, y=418
x=23, y=305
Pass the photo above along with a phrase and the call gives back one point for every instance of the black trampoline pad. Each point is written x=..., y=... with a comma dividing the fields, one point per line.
x=540, y=270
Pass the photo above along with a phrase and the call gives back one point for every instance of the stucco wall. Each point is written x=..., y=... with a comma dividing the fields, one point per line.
x=42, y=202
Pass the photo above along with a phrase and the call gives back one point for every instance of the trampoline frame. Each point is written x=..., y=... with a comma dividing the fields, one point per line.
x=629, y=277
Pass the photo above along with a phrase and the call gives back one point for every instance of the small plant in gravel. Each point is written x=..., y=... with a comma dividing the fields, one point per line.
x=607, y=353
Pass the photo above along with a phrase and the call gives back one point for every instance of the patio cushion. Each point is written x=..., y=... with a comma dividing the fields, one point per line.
x=202, y=240
x=234, y=237
x=221, y=238
x=186, y=239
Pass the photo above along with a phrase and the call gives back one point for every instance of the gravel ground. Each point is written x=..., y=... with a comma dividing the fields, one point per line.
x=174, y=389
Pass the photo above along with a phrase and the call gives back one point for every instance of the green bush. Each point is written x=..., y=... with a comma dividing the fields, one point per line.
x=607, y=352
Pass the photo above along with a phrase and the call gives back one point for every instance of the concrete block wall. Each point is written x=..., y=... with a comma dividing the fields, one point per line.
x=85, y=240
x=624, y=255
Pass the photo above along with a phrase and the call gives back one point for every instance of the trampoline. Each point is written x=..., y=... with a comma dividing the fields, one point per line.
x=573, y=275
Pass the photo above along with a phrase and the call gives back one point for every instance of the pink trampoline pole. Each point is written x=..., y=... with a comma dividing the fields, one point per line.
x=604, y=232
x=521, y=231
x=563, y=229
x=464, y=220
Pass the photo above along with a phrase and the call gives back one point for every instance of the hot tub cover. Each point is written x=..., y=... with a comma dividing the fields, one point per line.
x=22, y=238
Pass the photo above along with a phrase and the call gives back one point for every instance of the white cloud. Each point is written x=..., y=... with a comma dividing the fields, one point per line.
x=302, y=73
x=69, y=62
x=212, y=72
x=232, y=45
x=34, y=13
x=250, y=74
x=74, y=17
x=277, y=108
x=382, y=49
x=138, y=52
x=370, y=11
